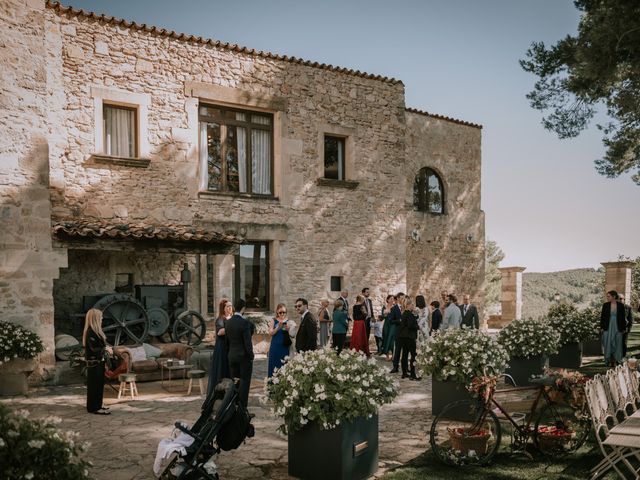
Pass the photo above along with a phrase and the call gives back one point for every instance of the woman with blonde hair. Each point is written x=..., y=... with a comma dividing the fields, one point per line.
x=94, y=342
x=280, y=339
x=324, y=319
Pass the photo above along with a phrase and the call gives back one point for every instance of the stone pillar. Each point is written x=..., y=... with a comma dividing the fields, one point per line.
x=511, y=298
x=617, y=276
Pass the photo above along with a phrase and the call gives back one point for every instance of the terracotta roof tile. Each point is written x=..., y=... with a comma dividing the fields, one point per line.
x=94, y=228
x=208, y=41
x=442, y=117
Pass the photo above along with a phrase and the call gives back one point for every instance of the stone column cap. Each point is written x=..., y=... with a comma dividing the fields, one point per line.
x=620, y=264
x=512, y=269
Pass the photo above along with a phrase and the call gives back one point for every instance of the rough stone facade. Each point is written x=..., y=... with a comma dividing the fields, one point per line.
x=315, y=229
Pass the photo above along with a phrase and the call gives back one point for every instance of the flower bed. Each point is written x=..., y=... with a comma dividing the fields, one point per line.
x=571, y=324
x=461, y=354
x=18, y=342
x=324, y=388
x=528, y=338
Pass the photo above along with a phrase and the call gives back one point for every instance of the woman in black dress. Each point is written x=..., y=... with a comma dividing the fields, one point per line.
x=219, y=366
x=95, y=345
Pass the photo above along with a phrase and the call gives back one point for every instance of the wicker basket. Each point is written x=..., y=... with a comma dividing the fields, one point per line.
x=553, y=440
x=463, y=442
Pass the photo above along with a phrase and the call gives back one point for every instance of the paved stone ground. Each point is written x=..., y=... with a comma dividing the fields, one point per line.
x=123, y=445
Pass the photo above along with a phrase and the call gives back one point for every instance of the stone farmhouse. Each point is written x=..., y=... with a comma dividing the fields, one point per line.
x=129, y=150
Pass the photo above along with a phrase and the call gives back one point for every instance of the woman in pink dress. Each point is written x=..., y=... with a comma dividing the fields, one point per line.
x=359, y=340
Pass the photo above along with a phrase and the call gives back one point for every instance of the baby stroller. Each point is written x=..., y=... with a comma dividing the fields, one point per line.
x=223, y=425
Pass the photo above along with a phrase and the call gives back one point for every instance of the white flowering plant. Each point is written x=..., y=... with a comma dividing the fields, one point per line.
x=18, y=342
x=591, y=316
x=529, y=337
x=572, y=328
x=460, y=354
x=36, y=449
x=325, y=388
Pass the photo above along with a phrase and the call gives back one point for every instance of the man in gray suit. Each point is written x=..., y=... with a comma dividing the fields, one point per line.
x=470, y=317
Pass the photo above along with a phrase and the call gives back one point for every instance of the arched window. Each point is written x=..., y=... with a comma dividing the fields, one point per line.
x=428, y=192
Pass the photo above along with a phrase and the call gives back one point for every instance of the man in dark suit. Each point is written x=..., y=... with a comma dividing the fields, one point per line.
x=307, y=336
x=628, y=315
x=395, y=317
x=368, y=305
x=470, y=317
x=238, y=337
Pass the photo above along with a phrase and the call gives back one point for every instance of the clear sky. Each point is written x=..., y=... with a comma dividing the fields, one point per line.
x=545, y=205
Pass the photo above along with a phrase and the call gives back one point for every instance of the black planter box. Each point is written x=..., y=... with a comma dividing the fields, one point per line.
x=446, y=392
x=569, y=356
x=522, y=368
x=349, y=451
x=592, y=348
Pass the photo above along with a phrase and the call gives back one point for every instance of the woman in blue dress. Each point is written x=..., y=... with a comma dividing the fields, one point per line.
x=219, y=367
x=278, y=348
x=613, y=325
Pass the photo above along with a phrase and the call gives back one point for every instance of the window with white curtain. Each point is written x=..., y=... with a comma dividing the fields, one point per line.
x=119, y=131
x=236, y=150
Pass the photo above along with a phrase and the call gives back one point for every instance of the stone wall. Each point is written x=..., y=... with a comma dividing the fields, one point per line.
x=66, y=63
x=449, y=251
x=93, y=272
x=330, y=230
x=28, y=262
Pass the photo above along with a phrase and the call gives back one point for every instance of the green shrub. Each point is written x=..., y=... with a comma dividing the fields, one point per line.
x=36, y=449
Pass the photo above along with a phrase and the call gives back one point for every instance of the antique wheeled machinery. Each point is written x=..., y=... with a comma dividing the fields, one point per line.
x=154, y=310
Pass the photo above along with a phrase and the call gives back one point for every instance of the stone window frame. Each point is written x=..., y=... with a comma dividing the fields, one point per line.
x=140, y=103
x=427, y=172
x=205, y=93
x=348, y=133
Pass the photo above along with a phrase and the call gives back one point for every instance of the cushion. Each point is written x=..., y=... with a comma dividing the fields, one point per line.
x=152, y=351
x=144, y=366
x=137, y=354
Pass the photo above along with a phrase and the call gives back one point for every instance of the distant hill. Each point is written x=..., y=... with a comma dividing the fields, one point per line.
x=583, y=287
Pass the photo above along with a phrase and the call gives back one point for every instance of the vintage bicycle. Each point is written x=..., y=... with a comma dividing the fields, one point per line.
x=468, y=432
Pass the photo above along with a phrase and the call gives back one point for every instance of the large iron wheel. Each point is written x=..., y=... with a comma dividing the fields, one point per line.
x=158, y=321
x=124, y=319
x=189, y=328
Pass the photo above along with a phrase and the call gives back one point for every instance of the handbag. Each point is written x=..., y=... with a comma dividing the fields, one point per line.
x=286, y=338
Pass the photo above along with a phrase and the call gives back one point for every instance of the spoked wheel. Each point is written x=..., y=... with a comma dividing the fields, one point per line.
x=465, y=433
x=124, y=319
x=560, y=429
x=189, y=328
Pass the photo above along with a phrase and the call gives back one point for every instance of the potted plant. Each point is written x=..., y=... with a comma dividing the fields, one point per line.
x=329, y=403
x=573, y=330
x=592, y=345
x=37, y=449
x=18, y=348
x=453, y=358
x=528, y=342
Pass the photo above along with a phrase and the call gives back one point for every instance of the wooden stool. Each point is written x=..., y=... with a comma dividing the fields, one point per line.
x=199, y=375
x=127, y=382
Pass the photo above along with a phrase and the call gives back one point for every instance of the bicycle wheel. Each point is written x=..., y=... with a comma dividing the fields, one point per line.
x=465, y=433
x=560, y=429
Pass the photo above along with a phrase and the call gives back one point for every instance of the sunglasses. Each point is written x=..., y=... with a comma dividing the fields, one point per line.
x=281, y=312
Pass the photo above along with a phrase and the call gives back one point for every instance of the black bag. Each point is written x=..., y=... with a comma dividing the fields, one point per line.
x=286, y=338
x=235, y=430
x=111, y=361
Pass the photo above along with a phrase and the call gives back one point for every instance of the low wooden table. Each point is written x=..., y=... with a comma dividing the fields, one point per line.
x=170, y=369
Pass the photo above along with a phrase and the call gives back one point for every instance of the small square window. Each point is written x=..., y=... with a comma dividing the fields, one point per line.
x=119, y=131
x=336, y=284
x=334, y=157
